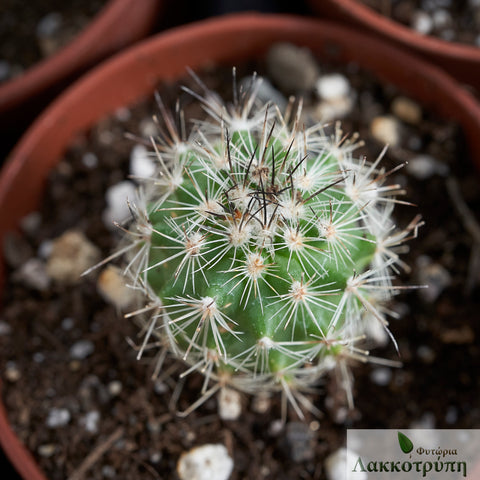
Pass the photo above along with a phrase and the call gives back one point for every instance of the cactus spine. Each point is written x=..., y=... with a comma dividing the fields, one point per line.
x=266, y=249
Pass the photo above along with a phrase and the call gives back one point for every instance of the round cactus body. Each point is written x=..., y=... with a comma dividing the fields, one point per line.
x=264, y=247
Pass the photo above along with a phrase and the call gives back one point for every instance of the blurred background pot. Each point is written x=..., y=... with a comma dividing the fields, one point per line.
x=117, y=25
x=134, y=75
x=462, y=61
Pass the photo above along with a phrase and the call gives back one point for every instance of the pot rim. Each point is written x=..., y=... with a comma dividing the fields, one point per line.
x=367, y=17
x=90, y=44
x=159, y=58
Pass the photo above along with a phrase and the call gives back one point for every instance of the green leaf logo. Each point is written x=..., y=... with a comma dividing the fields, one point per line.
x=405, y=443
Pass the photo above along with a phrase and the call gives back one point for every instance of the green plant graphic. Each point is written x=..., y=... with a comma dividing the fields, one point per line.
x=405, y=443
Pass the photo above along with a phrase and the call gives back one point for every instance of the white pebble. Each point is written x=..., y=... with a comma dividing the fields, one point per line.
x=112, y=286
x=208, y=462
x=68, y=323
x=141, y=162
x=337, y=464
x=123, y=114
x=333, y=86
x=90, y=160
x=46, y=450
x=117, y=207
x=425, y=166
x=58, y=417
x=90, y=421
x=422, y=22
x=386, y=130
x=33, y=274
x=108, y=471
x=115, y=388
x=381, y=376
x=441, y=18
x=81, y=349
x=49, y=24
x=229, y=404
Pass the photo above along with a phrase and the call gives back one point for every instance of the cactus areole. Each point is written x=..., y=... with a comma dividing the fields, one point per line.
x=264, y=248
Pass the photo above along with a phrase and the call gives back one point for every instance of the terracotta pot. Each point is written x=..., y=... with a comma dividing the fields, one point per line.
x=459, y=60
x=118, y=24
x=135, y=73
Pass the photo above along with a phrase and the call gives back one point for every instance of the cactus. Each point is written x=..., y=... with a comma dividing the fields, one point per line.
x=265, y=249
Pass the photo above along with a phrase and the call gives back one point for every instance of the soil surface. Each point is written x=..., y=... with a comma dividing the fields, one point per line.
x=30, y=34
x=454, y=21
x=86, y=408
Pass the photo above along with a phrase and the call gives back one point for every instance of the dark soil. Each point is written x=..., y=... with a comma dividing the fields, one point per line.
x=438, y=386
x=30, y=33
x=455, y=21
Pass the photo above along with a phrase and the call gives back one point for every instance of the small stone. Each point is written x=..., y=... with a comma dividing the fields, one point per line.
x=115, y=388
x=299, y=441
x=90, y=421
x=123, y=114
x=45, y=249
x=334, y=109
x=68, y=323
x=261, y=403
x=5, y=70
x=47, y=450
x=90, y=160
x=422, y=22
x=292, y=68
x=423, y=167
x=381, y=376
x=266, y=92
x=142, y=164
x=229, y=404
x=458, y=336
x=72, y=254
x=38, y=357
x=426, y=354
x=16, y=251
x=425, y=422
x=451, y=416
x=12, y=372
x=386, y=130
x=441, y=18
x=117, y=206
x=58, y=417
x=160, y=387
x=155, y=457
x=5, y=328
x=112, y=286
x=407, y=110
x=333, y=86
x=208, y=462
x=148, y=128
x=337, y=464
x=434, y=276
x=31, y=223
x=109, y=472
x=81, y=349
x=49, y=24
x=33, y=274
x=276, y=427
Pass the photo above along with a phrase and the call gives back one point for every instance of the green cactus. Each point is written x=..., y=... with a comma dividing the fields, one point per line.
x=265, y=249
